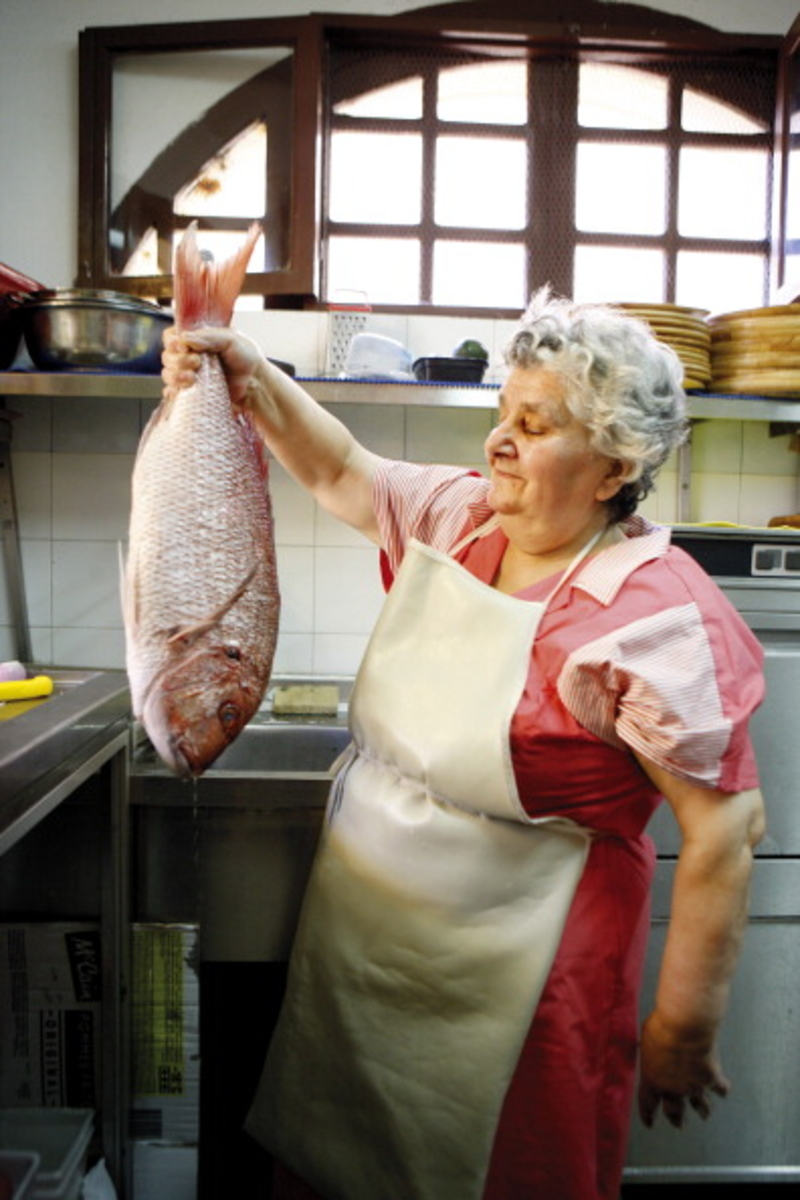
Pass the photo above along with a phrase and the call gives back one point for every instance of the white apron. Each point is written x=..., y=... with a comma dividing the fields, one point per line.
x=433, y=913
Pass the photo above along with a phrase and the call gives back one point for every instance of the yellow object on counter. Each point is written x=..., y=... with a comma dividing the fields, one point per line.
x=27, y=689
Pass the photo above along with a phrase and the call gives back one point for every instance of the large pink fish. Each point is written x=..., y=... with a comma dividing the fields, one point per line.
x=200, y=591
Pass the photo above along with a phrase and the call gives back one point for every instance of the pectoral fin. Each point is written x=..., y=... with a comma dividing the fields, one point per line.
x=190, y=633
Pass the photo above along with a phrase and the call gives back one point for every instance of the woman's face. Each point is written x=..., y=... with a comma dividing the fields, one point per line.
x=542, y=467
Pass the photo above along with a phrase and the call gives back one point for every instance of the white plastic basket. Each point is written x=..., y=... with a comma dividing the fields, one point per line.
x=19, y=1168
x=60, y=1137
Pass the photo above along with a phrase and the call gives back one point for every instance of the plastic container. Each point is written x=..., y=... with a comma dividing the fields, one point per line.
x=60, y=1137
x=450, y=370
x=372, y=356
x=19, y=1169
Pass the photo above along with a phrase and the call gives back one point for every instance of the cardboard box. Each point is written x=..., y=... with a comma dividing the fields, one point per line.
x=165, y=1026
x=50, y=1015
x=164, y=1172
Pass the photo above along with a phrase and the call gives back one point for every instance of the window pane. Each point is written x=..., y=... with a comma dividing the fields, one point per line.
x=144, y=260
x=221, y=245
x=701, y=113
x=611, y=274
x=385, y=269
x=720, y=282
x=484, y=93
x=397, y=101
x=480, y=183
x=231, y=184
x=722, y=193
x=479, y=274
x=616, y=97
x=375, y=177
x=621, y=189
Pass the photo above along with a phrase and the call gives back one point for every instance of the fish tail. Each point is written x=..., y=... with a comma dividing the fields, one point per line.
x=205, y=292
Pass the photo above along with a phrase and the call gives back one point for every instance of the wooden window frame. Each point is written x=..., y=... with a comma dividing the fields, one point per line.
x=629, y=31
x=99, y=49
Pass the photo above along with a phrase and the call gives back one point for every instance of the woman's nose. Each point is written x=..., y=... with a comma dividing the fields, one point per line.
x=500, y=441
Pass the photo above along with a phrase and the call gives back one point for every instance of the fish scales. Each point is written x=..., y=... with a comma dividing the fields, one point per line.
x=201, y=594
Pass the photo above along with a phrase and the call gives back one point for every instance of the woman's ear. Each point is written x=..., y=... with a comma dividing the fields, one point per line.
x=614, y=478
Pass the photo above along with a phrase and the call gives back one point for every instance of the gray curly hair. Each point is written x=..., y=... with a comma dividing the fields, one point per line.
x=622, y=384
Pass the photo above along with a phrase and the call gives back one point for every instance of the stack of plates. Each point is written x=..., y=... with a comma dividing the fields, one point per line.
x=685, y=331
x=757, y=351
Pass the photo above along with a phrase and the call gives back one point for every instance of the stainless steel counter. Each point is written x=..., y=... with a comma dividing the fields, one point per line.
x=48, y=747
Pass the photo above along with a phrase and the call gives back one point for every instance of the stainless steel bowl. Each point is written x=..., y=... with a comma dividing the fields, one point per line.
x=84, y=330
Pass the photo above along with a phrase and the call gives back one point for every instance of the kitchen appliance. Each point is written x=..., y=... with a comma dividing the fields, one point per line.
x=753, y=1135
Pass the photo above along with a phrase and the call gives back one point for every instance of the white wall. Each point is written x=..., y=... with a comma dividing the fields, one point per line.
x=72, y=459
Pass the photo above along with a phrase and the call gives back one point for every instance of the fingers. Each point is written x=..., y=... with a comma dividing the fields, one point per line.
x=701, y=1105
x=674, y=1107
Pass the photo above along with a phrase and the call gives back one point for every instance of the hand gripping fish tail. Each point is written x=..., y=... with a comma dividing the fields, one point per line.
x=201, y=553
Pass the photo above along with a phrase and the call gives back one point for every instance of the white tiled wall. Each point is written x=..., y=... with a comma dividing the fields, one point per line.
x=72, y=461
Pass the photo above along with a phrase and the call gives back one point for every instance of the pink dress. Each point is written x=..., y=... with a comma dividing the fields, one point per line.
x=640, y=651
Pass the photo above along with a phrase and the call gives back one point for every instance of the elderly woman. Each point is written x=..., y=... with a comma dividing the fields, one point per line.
x=461, y=1014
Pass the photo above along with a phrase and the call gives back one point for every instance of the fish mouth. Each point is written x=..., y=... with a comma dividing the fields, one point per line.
x=170, y=751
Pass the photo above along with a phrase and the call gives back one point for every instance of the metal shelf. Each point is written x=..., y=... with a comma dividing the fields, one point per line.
x=356, y=391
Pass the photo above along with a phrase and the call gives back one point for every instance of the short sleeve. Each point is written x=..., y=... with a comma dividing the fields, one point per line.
x=675, y=689
x=434, y=504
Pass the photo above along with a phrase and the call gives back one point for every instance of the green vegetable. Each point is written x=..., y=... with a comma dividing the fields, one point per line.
x=470, y=348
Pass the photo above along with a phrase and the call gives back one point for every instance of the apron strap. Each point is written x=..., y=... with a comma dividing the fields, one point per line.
x=488, y=527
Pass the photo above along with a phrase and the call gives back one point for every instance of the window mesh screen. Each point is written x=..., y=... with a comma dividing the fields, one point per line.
x=469, y=180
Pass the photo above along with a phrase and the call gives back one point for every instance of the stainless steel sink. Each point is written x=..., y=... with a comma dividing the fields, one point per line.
x=267, y=749
x=272, y=763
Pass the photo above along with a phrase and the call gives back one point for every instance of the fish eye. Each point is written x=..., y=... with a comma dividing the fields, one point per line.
x=233, y=652
x=228, y=714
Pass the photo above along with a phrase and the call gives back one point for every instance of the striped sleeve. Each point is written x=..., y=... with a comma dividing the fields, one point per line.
x=657, y=687
x=434, y=504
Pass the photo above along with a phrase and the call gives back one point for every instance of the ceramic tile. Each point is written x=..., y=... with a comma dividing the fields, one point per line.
x=330, y=531
x=33, y=492
x=648, y=509
x=91, y=495
x=35, y=556
x=717, y=447
x=296, y=583
x=291, y=337
x=8, y=644
x=502, y=334
x=381, y=428
x=294, y=654
x=338, y=653
x=715, y=497
x=42, y=645
x=95, y=425
x=32, y=428
x=86, y=585
x=146, y=410
x=37, y=573
x=767, y=496
x=765, y=455
x=293, y=509
x=347, y=590
x=666, y=497
x=438, y=337
x=101, y=648
x=390, y=325
x=446, y=435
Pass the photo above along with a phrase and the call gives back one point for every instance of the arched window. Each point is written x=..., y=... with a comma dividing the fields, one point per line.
x=449, y=159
